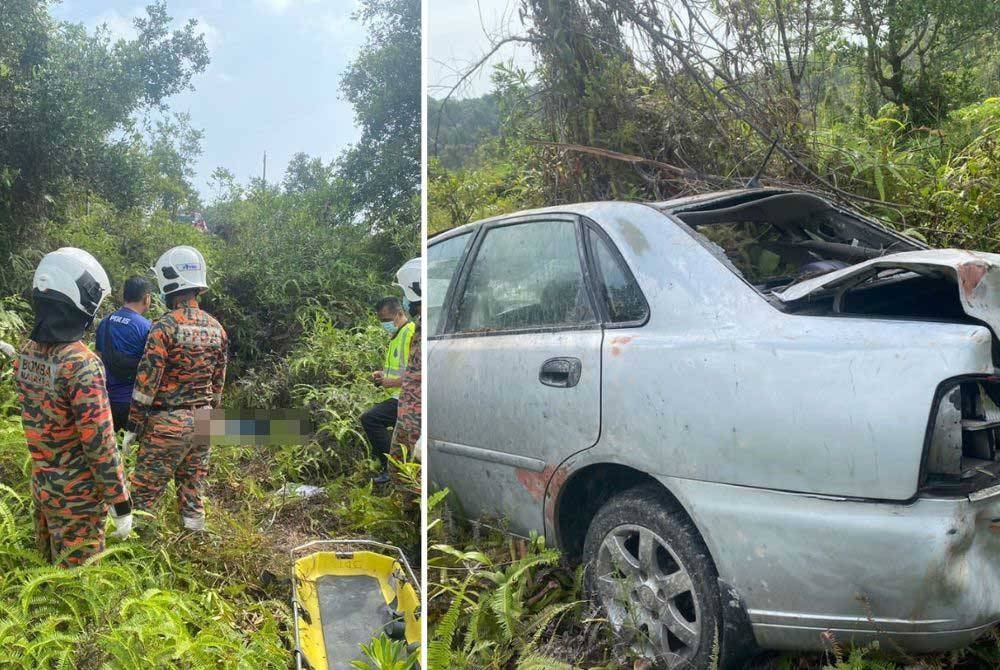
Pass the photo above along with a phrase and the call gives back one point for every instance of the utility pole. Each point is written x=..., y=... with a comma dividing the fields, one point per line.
x=263, y=176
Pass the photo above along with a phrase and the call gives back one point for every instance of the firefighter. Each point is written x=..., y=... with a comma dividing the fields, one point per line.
x=407, y=430
x=182, y=370
x=76, y=472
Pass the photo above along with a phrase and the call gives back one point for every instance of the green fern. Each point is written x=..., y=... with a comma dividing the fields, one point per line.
x=383, y=653
x=439, y=651
x=861, y=658
x=498, y=613
x=535, y=662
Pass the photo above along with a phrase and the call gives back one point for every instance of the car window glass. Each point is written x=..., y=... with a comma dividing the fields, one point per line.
x=526, y=276
x=442, y=261
x=616, y=285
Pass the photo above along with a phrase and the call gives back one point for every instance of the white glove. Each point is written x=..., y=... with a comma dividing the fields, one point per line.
x=418, y=449
x=123, y=526
x=127, y=441
x=8, y=349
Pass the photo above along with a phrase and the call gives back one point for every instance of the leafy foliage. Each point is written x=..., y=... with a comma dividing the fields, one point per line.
x=499, y=187
x=457, y=129
x=383, y=653
x=505, y=603
x=137, y=607
x=124, y=242
x=66, y=94
x=383, y=85
x=283, y=251
x=942, y=181
x=921, y=54
x=801, y=73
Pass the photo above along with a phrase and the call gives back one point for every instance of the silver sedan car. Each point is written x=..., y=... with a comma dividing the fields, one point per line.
x=758, y=418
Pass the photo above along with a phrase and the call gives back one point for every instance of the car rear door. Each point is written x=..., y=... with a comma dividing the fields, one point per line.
x=516, y=364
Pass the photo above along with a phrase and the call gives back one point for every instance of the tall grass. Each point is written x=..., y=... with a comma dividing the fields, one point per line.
x=168, y=599
x=141, y=605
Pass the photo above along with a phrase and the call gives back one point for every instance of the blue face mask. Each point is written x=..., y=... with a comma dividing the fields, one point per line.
x=390, y=327
x=406, y=304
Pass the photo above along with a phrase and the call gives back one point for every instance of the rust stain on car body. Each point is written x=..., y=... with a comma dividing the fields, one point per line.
x=970, y=274
x=535, y=483
x=618, y=342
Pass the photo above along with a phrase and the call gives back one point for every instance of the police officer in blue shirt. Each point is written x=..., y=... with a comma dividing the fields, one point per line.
x=121, y=339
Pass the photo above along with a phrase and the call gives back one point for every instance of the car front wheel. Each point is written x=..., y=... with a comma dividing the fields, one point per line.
x=649, y=570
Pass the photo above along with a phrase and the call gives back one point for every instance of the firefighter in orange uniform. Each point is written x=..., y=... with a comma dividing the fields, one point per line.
x=182, y=370
x=76, y=472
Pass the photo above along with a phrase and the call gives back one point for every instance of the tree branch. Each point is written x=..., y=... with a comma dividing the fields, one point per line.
x=472, y=70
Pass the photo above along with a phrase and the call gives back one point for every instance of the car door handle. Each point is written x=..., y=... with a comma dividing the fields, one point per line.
x=561, y=372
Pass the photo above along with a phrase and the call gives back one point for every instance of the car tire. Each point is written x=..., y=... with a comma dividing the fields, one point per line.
x=650, y=572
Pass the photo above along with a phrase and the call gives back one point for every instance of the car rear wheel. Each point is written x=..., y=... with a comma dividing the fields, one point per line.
x=649, y=570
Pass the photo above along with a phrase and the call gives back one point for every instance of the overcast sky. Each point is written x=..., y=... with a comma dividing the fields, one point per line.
x=272, y=85
x=459, y=34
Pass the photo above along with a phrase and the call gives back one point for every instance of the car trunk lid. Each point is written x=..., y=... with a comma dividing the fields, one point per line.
x=975, y=276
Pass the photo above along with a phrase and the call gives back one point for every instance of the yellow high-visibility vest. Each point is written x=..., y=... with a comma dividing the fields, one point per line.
x=398, y=355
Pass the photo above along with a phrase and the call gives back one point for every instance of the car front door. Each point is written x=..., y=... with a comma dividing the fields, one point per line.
x=516, y=364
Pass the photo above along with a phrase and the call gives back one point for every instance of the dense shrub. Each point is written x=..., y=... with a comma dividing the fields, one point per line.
x=278, y=254
x=942, y=184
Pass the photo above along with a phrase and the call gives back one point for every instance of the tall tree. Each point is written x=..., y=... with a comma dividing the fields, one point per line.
x=910, y=46
x=383, y=85
x=68, y=100
x=305, y=173
x=173, y=147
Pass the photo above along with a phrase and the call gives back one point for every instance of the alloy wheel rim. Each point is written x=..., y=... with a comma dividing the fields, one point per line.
x=648, y=595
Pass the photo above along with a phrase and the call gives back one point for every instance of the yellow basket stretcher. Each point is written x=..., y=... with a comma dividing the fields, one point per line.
x=347, y=594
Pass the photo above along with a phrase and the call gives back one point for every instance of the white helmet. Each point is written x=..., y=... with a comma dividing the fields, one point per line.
x=408, y=278
x=75, y=274
x=180, y=268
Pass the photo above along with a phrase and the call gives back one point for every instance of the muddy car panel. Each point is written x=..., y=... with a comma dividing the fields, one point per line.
x=507, y=471
x=924, y=574
x=736, y=391
x=825, y=447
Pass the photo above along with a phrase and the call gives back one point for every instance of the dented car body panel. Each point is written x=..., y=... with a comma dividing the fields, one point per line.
x=924, y=574
x=736, y=391
x=800, y=437
x=976, y=276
